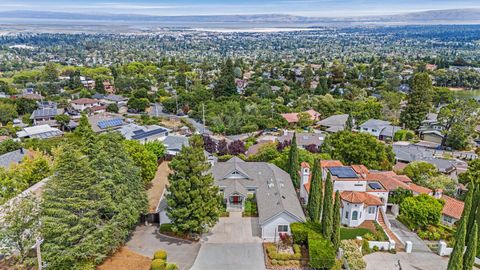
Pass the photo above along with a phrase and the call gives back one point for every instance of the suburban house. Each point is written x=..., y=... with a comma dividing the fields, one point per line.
x=13, y=157
x=405, y=154
x=452, y=209
x=293, y=118
x=304, y=139
x=115, y=99
x=174, y=144
x=382, y=130
x=46, y=116
x=104, y=122
x=83, y=104
x=143, y=133
x=39, y=132
x=272, y=187
x=334, y=123
x=362, y=197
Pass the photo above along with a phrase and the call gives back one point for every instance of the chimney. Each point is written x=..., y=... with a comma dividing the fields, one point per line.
x=438, y=193
x=305, y=173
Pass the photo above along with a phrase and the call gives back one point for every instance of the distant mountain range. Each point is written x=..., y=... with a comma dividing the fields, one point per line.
x=425, y=17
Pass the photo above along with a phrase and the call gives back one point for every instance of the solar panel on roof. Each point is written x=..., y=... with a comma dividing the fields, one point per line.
x=375, y=186
x=110, y=123
x=343, y=172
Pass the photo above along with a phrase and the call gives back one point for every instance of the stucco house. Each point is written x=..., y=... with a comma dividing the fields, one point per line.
x=83, y=104
x=362, y=198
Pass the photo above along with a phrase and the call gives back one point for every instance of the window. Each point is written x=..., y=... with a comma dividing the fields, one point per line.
x=447, y=219
x=354, y=215
x=346, y=214
x=282, y=228
x=371, y=210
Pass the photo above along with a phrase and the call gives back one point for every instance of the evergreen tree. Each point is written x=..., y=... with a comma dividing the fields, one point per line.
x=193, y=200
x=327, y=213
x=91, y=203
x=315, y=195
x=336, y=222
x=469, y=256
x=470, y=208
x=419, y=101
x=84, y=135
x=226, y=82
x=293, y=165
x=349, y=123
x=456, y=258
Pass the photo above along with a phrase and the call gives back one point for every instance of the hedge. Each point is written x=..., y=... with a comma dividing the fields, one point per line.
x=275, y=256
x=321, y=252
x=172, y=266
x=160, y=254
x=158, y=264
x=166, y=227
x=300, y=231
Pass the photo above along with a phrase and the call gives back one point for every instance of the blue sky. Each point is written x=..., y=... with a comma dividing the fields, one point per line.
x=328, y=8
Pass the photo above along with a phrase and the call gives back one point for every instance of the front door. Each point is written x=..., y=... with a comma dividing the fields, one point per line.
x=236, y=199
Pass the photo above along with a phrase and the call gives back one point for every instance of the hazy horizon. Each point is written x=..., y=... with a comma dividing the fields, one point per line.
x=318, y=8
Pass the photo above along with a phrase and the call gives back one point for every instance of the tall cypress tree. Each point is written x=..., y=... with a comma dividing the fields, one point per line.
x=456, y=258
x=336, y=222
x=226, y=82
x=470, y=207
x=419, y=101
x=469, y=256
x=315, y=195
x=293, y=165
x=327, y=213
x=193, y=200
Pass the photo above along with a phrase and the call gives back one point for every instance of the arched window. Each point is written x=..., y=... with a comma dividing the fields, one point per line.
x=354, y=215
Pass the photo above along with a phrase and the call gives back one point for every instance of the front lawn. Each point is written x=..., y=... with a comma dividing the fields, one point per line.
x=352, y=233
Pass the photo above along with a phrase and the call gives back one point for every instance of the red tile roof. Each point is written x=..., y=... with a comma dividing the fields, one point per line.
x=387, y=180
x=453, y=207
x=419, y=189
x=305, y=165
x=360, y=169
x=360, y=197
x=293, y=117
x=330, y=163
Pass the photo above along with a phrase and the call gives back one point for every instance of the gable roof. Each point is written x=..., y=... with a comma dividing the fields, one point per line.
x=375, y=124
x=275, y=193
x=293, y=117
x=84, y=101
x=337, y=121
x=13, y=157
x=453, y=207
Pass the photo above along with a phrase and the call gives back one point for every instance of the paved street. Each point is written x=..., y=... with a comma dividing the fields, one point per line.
x=406, y=234
x=233, y=244
x=412, y=261
x=146, y=240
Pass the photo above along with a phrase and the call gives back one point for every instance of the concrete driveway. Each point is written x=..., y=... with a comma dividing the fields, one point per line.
x=233, y=244
x=146, y=240
x=412, y=261
x=407, y=235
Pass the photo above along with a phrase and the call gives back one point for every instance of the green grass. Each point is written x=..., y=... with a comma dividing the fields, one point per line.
x=352, y=233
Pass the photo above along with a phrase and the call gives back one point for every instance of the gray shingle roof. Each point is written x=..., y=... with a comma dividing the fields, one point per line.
x=375, y=124
x=338, y=121
x=12, y=158
x=274, y=189
x=175, y=142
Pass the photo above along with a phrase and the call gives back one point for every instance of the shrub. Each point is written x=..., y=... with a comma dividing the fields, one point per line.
x=366, y=248
x=160, y=254
x=353, y=255
x=172, y=266
x=338, y=265
x=274, y=262
x=300, y=231
x=321, y=251
x=166, y=227
x=158, y=264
